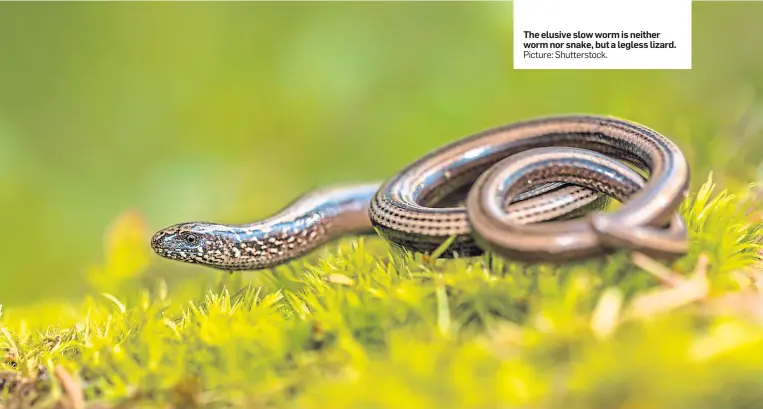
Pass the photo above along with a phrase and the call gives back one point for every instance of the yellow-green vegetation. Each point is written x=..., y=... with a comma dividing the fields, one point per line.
x=357, y=326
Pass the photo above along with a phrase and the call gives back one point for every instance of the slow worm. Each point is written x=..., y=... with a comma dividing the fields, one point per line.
x=517, y=190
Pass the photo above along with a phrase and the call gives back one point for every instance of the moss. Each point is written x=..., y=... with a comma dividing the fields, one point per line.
x=357, y=326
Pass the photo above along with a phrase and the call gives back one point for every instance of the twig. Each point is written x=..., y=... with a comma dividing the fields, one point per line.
x=681, y=292
x=72, y=388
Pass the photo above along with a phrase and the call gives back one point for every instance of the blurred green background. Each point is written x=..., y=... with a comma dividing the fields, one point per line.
x=226, y=111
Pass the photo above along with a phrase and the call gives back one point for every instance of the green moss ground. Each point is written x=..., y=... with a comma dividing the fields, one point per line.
x=356, y=326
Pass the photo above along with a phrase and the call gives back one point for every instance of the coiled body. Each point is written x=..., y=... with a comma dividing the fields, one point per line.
x=546, y=170
x=403, y=212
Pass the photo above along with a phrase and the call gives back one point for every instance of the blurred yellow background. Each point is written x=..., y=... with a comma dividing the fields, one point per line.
x=226, y=111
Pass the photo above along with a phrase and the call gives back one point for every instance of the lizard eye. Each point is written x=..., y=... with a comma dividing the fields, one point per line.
x=190, y=238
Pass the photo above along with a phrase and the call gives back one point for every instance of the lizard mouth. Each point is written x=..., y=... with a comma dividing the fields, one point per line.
x=175, y=254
